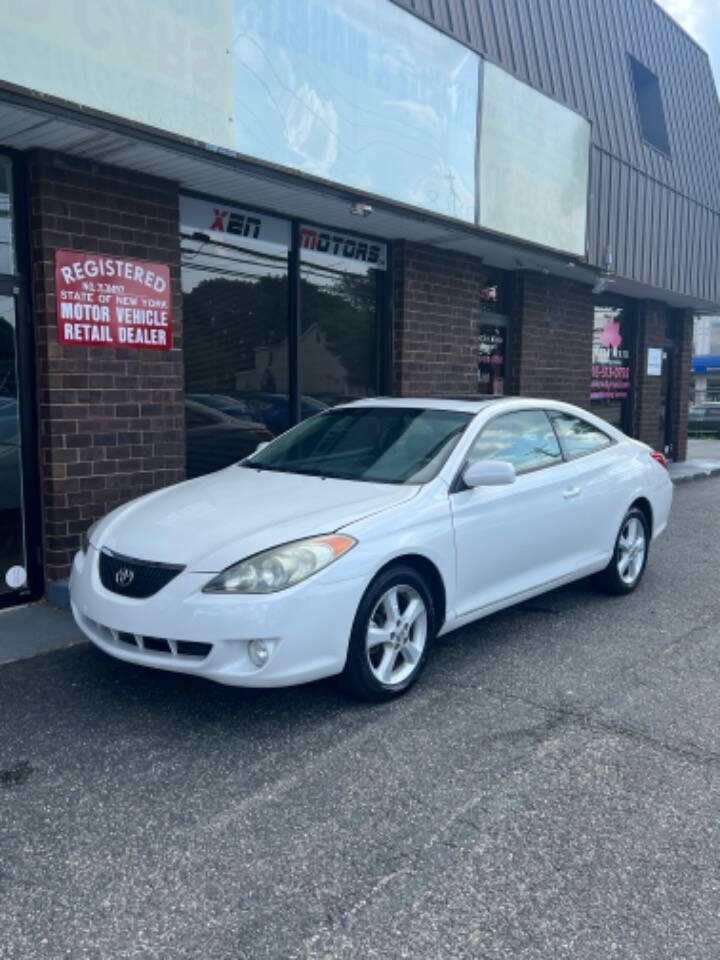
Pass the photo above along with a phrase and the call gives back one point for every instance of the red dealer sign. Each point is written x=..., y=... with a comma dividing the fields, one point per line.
x=107, y=301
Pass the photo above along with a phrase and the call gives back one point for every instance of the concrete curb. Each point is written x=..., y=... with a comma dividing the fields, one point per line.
x=696, y=475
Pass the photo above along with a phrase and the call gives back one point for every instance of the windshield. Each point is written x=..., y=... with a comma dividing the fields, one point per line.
x=375, y=444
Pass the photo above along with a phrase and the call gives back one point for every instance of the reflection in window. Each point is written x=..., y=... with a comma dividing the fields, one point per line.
x=374, y=444
x=525, y=439
x=339, y=349
x=360, y=92
x=577, y=436
x=7, y=259
x=235, y=350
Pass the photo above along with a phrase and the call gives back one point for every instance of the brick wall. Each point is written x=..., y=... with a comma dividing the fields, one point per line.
x=652, y=318
x=551, y=346
x=436, y=300
x=110, y=421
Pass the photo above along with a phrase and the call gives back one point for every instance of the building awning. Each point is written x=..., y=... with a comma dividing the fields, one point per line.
x=28, y=122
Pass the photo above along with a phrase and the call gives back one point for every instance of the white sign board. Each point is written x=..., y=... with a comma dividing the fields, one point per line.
x=164, y=64
x=654, y=362
x=534, y=160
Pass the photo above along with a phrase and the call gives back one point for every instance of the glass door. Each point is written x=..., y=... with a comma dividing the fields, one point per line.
x=13, y=560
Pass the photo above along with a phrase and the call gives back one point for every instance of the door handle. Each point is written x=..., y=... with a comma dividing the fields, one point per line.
x=571, y=492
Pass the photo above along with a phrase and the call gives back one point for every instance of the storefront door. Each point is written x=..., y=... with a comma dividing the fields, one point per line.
x=20, y=571
x=13, y=560
x=666, y=401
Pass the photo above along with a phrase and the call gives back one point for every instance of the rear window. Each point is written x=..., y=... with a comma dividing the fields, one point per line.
x=577, y=436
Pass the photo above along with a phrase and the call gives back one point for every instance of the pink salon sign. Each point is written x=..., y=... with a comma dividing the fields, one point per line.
x=105, y=301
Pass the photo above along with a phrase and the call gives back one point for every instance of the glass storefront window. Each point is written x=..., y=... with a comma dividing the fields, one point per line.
x=236, y=277
x=492, y=359
x=12, y=535
x=612, y=364
x=7, y=256
x=339, y=349
x=235, y=350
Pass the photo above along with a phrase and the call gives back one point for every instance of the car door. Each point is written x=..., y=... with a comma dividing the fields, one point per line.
x=514, y=538
x=605, y=477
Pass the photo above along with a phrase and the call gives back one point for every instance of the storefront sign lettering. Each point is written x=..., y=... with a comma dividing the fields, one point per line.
x=112, y=302
x=232, y=225
x=344, y=245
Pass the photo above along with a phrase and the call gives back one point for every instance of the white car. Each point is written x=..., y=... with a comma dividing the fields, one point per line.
x=346, y=545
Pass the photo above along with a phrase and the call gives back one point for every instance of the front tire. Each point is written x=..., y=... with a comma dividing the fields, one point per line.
x=627, y=566
x=391, y=636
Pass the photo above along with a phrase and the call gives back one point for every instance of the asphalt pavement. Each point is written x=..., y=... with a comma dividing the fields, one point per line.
x=551, y=789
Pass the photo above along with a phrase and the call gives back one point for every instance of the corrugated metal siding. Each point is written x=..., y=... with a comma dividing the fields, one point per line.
x=660, y=215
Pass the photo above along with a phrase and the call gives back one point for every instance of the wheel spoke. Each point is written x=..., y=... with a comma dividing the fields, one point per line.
x=413, y=611
x=391, y=606
x=412, y=652
x=377, y=636
x=624, y=563
x=387, y=665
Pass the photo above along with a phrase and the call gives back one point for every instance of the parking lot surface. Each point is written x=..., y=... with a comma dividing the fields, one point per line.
x=550, y=789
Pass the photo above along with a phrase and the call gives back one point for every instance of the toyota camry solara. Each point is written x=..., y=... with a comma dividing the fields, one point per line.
x=349, y=543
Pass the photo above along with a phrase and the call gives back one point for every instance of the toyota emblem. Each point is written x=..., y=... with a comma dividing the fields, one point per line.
x=124, y=577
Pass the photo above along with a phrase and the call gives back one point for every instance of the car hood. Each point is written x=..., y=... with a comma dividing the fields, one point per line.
x=211, y=522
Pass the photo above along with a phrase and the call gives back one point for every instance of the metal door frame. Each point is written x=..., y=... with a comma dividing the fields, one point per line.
x=17, y=286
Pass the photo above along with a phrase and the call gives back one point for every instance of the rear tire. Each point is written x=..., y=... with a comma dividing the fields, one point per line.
x=627, y=566
x=391, y=636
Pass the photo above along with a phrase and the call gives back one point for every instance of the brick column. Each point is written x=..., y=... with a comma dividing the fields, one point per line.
x=652, y=318
x=436, y=313
x=551, y=350
x=111, y=422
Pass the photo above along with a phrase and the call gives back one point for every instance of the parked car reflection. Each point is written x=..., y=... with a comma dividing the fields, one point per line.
x=273, y=409
x=215, y=439
x=704, y=418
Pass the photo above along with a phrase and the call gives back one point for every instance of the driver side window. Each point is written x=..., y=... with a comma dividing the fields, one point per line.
x=525, y=439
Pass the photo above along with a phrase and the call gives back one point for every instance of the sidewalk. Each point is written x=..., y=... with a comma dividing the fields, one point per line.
x=37, y=628
x=703, y=461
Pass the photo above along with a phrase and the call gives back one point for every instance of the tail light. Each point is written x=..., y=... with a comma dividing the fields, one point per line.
x=659, y=458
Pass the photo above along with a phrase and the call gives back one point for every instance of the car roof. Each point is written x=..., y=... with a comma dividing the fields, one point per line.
x=466, y=405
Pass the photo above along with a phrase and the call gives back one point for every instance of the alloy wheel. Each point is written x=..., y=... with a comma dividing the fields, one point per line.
x=631, y=551
x=396, y=635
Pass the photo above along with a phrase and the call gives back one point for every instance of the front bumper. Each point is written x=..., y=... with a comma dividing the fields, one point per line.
x=306, y=628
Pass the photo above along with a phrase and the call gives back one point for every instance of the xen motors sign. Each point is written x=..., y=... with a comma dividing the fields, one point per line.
x=232, y=225
x=346, y=246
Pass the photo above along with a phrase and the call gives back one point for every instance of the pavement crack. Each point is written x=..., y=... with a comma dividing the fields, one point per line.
x=691, y=752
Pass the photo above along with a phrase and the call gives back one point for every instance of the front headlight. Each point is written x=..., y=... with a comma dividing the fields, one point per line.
x=86, y=537
x=281, y=567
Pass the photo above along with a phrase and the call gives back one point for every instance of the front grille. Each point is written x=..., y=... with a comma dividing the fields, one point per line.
x=138, y=579
x=175, y=648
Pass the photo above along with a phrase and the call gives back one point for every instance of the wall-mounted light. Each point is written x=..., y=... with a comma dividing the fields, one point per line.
x=601, y=285
x=359, y=208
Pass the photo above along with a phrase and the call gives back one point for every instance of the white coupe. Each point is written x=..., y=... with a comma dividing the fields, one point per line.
x=349, y=543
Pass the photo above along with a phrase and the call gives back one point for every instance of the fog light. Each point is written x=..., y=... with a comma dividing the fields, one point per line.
x=258, y=652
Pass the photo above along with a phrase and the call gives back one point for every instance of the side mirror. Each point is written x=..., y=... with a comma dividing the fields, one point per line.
x=489, y=473
x=261, y=446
